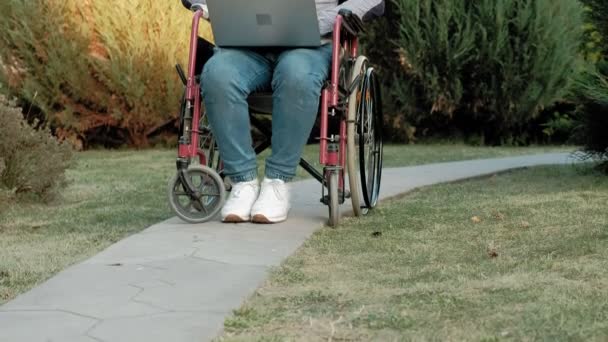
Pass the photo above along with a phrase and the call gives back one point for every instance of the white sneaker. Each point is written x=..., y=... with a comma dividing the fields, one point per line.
x=273, y=204
x=238, y=206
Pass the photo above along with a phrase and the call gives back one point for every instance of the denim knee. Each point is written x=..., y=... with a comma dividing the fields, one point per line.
x=297, y=84
x=220, y=82
x=300, y=72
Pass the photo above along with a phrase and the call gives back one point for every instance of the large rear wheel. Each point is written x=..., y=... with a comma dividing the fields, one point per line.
x=370, y=138
x=352, y=148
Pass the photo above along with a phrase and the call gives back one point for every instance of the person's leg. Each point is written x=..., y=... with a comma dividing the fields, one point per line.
x=227, y=80
x=297, y=82
x=298, y=78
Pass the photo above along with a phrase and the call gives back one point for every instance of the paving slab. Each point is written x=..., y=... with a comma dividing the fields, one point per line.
x=177, y=282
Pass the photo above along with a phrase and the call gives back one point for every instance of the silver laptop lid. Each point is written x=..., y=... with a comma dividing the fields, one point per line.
x=267, y=23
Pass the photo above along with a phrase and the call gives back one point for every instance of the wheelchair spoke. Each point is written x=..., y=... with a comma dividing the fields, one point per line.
x=203, y=208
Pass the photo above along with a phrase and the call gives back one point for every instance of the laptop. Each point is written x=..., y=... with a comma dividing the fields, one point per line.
x=264, y=23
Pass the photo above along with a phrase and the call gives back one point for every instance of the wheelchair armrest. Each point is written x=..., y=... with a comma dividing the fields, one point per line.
x=351, y=22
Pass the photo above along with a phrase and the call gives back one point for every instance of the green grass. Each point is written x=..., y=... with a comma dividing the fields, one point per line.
x=111, y=195
x=114, y=194
x=518, y=256
x=409, y=155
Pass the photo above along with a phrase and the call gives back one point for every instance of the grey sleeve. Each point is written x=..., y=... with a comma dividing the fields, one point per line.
x=361, y=8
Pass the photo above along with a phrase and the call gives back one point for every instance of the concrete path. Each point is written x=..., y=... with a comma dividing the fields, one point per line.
x=177, y=282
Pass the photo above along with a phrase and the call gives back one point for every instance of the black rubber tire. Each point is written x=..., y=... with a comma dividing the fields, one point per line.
x=370, y=135
x=334, y=200
x=197, y=212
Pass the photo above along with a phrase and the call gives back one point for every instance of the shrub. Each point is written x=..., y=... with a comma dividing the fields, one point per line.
x=484, y=67
x=31, y=161
x=597, y=11
x=98, y=69
x=559, y=127
x=592, y=94
x=592, y=91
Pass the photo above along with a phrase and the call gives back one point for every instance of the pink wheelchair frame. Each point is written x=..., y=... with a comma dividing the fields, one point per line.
x=197, y=192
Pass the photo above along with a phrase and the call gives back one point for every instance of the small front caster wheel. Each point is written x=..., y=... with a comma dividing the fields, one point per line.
x=208, y=196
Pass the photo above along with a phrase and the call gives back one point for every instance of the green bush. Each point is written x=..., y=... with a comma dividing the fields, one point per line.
x=484, y=68
x=98, y=69
x=592, y=94
x=32, y=161
x=591, y=90
x=597, y=12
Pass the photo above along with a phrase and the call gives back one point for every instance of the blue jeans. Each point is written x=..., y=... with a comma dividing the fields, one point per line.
x=296, y=78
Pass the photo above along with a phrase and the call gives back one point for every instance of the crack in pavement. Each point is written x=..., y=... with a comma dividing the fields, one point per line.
x=88, y=332
x=151, y=305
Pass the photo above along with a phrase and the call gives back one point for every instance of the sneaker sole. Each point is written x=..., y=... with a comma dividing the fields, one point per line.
x=234, y=219
x=261, y=219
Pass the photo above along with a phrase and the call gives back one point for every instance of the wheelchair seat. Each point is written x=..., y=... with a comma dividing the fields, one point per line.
x=260, y=103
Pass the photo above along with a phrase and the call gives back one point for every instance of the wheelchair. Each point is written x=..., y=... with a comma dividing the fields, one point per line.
x=350, y=137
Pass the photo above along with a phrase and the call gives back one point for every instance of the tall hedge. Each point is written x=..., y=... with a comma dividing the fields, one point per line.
x=592, y=94
x=97, y=69
x=597, y=12
x=484, y=67
x=592, y=91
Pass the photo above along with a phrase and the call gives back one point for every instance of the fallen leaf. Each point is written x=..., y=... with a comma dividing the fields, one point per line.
x=476, y=219
x=498, y=215
x=492, y=250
